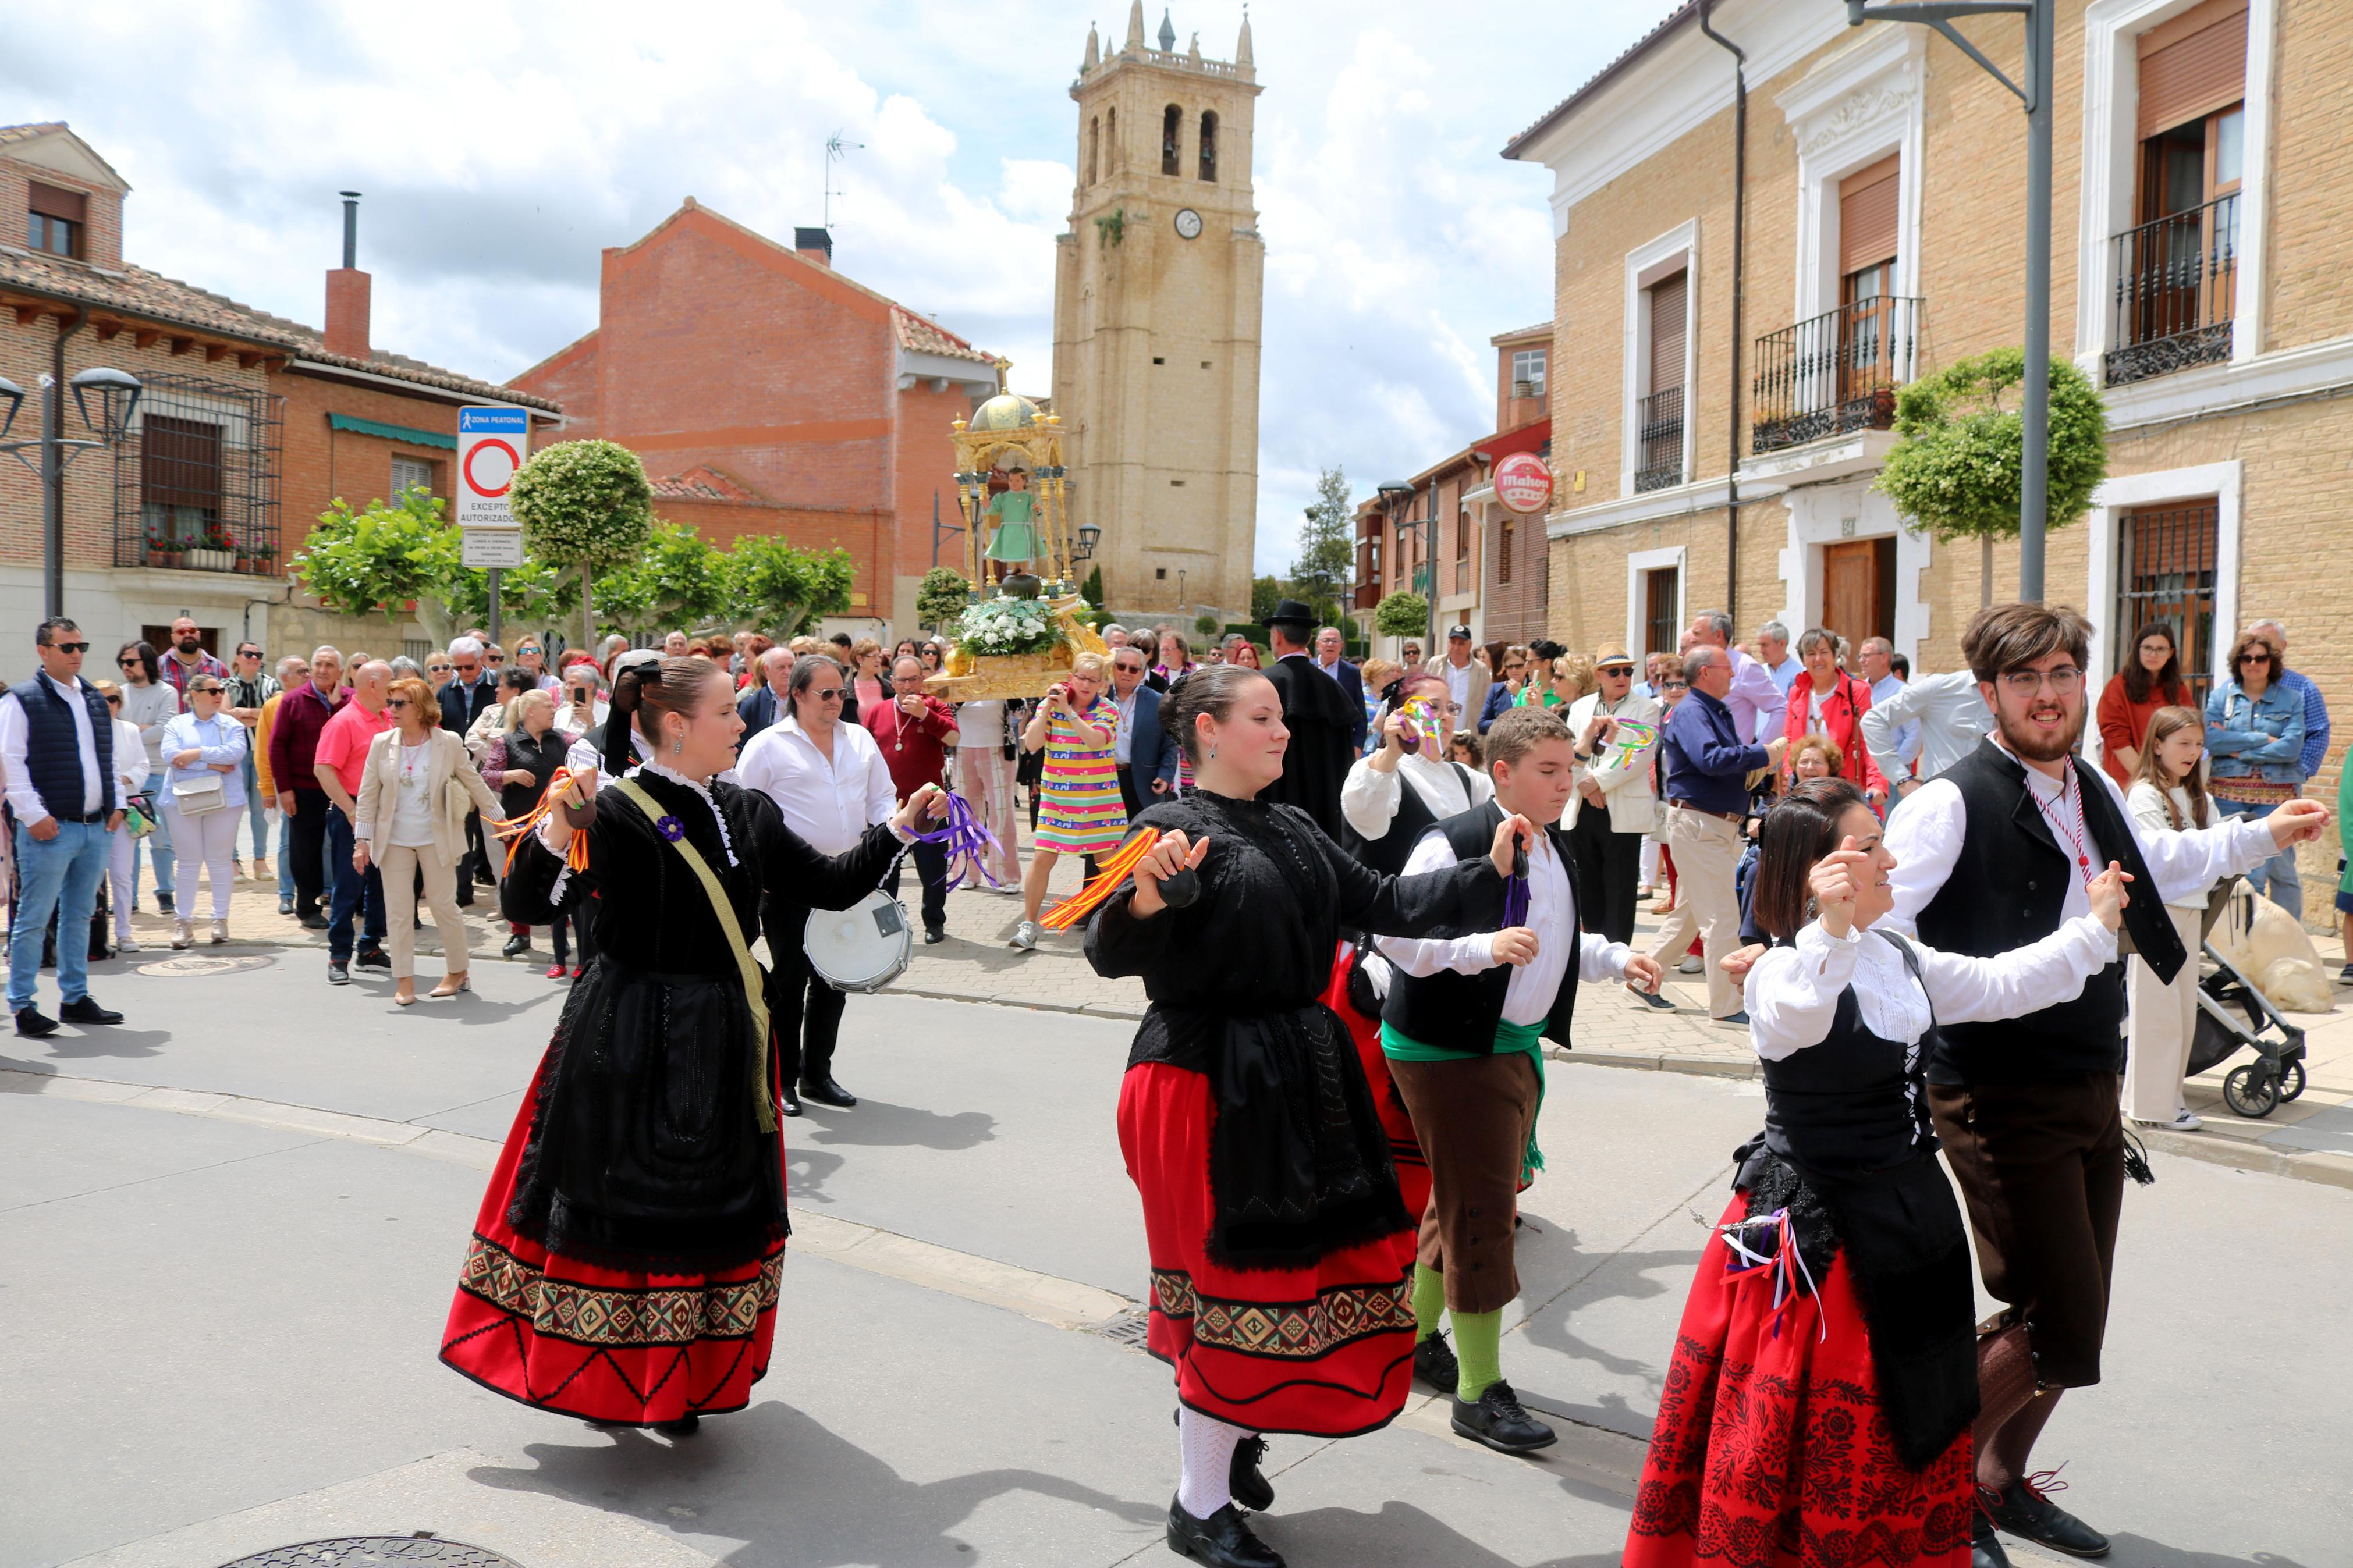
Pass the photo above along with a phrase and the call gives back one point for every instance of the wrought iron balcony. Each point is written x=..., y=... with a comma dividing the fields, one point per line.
x=2177, y=283
x=1659, y=426
x=1833, y=374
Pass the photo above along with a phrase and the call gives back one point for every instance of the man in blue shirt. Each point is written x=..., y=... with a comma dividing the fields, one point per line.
x=2286, y=886
x=1706, y=761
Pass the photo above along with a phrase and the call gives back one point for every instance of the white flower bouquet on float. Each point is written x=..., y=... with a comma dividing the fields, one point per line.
x=998, y=627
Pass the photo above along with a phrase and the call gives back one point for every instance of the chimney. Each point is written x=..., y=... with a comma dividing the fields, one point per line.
x=347, y=291
x=815, y=244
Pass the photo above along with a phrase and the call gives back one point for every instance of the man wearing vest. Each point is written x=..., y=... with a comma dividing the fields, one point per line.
x=1463, y=1028
x=1991, y=856
x=57, y=744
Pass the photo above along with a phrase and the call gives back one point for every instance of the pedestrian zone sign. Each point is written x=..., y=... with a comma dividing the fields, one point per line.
x=492, y=445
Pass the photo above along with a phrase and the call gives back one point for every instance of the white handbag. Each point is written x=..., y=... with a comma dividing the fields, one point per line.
x=200, y=795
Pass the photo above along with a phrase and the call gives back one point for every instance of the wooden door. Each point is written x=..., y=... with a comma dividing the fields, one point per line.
x=1851, y=589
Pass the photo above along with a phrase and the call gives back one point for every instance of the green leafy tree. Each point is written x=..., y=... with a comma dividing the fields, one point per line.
x=942, y=594
x=782, y=590
x=1402, y=614
x=527, y=594
x=584, y=506
x=1327, y=554
x=1264, y=592
x=1957, y=471
x=1091, y=589
x=378, y=558
x=1207, y=626
x=678, y=580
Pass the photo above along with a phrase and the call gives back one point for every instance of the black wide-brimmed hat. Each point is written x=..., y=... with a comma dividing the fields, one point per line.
x=1290, y=613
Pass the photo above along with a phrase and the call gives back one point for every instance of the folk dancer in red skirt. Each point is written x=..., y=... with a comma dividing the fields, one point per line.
x=1271, y=1211
x=1818, y=1405
x=625, y=1262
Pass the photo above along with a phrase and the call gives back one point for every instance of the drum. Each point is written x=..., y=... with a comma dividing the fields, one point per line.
x=863, y=948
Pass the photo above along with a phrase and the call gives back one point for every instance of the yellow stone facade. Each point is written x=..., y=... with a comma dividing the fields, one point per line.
x=1156, y=308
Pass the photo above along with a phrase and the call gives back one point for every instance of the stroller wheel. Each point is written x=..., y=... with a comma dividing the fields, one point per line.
x=2252, y=1089
x=2291, y=1080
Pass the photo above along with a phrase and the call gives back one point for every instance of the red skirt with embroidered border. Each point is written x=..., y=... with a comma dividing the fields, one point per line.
x=1405, y=1144
x=604, y=1344
x=1770, y=1450
x=1325, y=1352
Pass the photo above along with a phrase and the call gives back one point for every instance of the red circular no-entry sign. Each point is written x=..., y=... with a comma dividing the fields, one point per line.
x=492, y=444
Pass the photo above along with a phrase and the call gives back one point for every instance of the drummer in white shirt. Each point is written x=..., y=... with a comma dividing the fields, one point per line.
x=828, y=779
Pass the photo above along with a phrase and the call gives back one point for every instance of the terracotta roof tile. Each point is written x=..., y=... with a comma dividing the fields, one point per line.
x=704, y=482
x=919, y=334
x=27, y=133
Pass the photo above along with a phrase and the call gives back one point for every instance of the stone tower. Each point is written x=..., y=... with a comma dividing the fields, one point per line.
x=1157, y=304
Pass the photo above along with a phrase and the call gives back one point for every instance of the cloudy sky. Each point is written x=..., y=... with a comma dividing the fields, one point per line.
x=503, y=143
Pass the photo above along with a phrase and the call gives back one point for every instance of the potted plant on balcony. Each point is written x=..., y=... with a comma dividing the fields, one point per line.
x=163, y=550
x=213, y=551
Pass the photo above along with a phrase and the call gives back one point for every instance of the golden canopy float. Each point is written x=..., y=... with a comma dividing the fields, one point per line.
x=1010, y=483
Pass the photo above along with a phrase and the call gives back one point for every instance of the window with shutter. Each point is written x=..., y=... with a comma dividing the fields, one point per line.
x=1659, y=417
x=1669, y=299
x=1867, y=200
x=2192, y=65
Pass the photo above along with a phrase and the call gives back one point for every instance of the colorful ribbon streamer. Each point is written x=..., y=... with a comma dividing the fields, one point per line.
x=513, y=829
x=1114, y=870
x=1780, y=1263
x=967, y=844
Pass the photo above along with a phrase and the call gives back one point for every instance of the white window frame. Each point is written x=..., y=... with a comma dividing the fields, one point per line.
x=2224, y=481
x=1846, y=114
x=1537, y=381
x=1677, y=251
x=2112, y=30
x=1639, y=563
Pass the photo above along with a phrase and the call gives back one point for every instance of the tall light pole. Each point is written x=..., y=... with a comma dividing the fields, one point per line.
x=55, y=452
x=2041, y=34
x=1425, y=530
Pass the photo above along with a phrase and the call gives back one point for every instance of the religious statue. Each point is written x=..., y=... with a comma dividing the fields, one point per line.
x=1012, y=536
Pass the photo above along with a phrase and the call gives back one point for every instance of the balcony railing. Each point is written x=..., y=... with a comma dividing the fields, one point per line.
x=1833, y=374
x=1659, y=426
x=2177, y=281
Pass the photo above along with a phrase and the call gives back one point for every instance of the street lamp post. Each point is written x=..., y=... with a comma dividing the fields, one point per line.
x=1425, y=530
x=2041, y=32
x=56, y=451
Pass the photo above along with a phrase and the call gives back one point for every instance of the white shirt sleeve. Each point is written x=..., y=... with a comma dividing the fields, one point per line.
x=1792, y=993
x=881, y=794
x=2198, y=857
x=130, y=759
x=1600, y=961
x=1965, y=989
x=1424, y=956
x=1925, y=839
x=1368, y=798
x=23, y=799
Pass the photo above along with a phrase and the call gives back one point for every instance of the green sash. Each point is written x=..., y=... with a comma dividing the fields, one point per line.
x=763, y=1096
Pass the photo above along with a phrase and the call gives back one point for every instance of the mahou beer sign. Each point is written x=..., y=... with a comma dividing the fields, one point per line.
x=1523, y=482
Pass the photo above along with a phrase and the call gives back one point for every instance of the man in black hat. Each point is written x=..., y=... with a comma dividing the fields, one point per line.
x=1319, y=715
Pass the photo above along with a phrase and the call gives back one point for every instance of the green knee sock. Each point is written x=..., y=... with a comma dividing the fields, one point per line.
x=1429, y=1300
x=1479, y=1349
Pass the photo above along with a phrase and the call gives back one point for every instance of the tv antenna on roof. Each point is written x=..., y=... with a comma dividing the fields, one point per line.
x=837, y=151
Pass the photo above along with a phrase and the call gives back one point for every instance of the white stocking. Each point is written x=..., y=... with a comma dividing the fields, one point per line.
x=1205, y=1483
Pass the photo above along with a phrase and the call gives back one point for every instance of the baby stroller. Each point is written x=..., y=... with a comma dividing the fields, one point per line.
x=2231, y=1013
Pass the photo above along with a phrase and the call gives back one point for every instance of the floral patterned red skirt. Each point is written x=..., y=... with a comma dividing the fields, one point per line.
x=604, y=1344
x=1325, y=1350
x=1770, y=1450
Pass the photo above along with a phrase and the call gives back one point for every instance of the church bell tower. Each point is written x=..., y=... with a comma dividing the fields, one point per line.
x=1157, y=310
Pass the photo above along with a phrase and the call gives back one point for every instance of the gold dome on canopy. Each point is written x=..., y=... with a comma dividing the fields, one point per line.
x=1006, y=411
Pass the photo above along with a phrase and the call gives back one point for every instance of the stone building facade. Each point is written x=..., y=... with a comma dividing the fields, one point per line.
x=2201, y=167
x=1157, y=291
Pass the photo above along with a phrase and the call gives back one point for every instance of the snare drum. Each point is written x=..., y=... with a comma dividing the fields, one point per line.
x=863, y=948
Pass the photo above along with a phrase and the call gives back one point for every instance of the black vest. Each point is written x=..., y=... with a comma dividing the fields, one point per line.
x=2005, y=890
x=540, y=759
x=1458, y=1011
x=1852, y=1104
x=53, y=753
x=1390, y=852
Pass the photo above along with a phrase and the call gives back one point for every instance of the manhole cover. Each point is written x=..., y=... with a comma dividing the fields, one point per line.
x=204, y=965
x=1128, y=1328
x=367, y=1551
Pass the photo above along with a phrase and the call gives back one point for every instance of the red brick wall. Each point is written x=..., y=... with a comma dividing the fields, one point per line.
x=569, y=377
x=102, y=237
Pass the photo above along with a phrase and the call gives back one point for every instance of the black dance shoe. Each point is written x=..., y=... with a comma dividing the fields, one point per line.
x=1223, y=1539
x=32, y=1022
x=1497, y=1419
x=87, y=1011
x=934, y=936
x=2024, y=1508
x=823, y=1091
x=517, y=944
x=686, y=1425
x=1434, y=1363
x=1245, y=1480
x=787, y=1102
x=1985, y=1545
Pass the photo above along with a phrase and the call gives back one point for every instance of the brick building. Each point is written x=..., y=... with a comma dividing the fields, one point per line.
x=2200, y=182
x=768, y=393
x=247, y=424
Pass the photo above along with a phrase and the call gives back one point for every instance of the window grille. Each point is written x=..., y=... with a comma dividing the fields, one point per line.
x=196, y=478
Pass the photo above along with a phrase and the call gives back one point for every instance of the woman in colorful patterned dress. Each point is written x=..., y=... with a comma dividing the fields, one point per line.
x=1081, y=811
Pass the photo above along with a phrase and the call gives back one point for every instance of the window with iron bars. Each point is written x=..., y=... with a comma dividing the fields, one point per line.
x=2166, y=568
x=196, y=478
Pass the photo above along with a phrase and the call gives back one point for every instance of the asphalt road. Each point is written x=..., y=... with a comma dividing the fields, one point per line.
x=221, y=1307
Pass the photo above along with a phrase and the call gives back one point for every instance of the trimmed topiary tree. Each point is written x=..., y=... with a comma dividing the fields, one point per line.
x=941, y=596
x=1956, y=472
x=585, y=506
x=1402, y=614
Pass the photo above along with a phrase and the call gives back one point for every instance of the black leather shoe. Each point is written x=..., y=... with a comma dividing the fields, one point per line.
x=1434, y=1363
x=787, y=1102
x=87, y=1011
x=1984, y=1545
x=374, y=958
x=465, y=895
x=686, y=1425
x=934, y=936
x=1223, y=1539
x=311, y=922
x=823, y=1091
x=2025, y=1510
x=1498, y=1420
x=1248, y=1484
x=32, y=1022
x=515, y=945
x=339, y=974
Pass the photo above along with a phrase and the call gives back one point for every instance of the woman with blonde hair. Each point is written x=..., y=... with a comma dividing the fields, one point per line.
x=413, y=790
x=1816, y=757
x=2168, y=795
x=1081, y=812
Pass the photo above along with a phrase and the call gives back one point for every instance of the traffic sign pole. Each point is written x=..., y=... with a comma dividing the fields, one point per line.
x=493, y=575
x=492, y=444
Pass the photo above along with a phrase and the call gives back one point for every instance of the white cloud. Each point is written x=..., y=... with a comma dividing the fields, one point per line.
x=502, y=144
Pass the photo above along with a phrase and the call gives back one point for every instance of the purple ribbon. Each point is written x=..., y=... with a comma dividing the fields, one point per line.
x=1515, y=902
x=967, y=844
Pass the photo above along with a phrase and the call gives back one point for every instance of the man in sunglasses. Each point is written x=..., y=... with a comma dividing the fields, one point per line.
x=57, y=742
